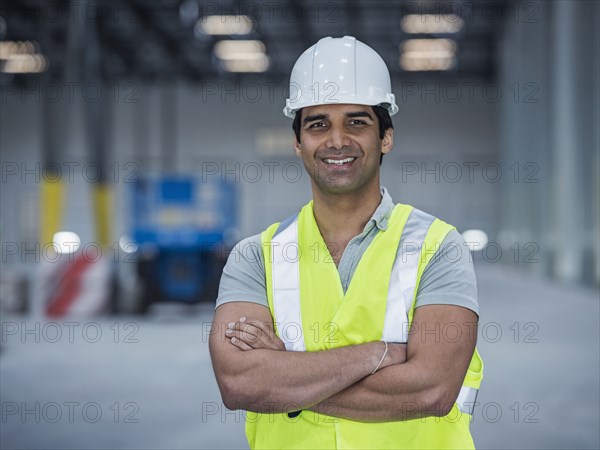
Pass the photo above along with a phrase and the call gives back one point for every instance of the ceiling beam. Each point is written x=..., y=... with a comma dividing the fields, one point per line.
x=171, y=44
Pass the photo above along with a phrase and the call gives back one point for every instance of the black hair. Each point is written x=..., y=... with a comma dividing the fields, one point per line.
x=383, y=117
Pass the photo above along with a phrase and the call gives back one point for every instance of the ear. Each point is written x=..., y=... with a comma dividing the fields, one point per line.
x=388, y=141
x=297, y=147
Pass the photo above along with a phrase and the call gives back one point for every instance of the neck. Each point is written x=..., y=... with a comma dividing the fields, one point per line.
x=345, y=214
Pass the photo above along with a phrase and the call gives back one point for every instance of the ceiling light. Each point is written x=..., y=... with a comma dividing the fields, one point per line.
x=22, y=57
x=239, y=49
x=428, y=54
x=426, y=64
x=10, y=48
x=242, y=56
x=225, y=25
x=438, y=46
x=259, y=64
x=431, y=23
x=25, y=64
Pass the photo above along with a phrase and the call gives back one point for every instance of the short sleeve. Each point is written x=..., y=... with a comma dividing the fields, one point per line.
x=449, y=278
x=243, y=277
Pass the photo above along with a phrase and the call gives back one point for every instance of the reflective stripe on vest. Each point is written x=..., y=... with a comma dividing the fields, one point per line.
x=466, y=399
x=286, y=287
x=403, y=280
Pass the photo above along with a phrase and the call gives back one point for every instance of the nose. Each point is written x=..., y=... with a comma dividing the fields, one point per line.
x=337, y=138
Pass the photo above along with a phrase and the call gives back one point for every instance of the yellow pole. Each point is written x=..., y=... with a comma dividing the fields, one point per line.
x=102, y=207
x=51, y=208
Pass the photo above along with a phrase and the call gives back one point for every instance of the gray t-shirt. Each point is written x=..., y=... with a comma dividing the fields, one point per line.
x=448, y=279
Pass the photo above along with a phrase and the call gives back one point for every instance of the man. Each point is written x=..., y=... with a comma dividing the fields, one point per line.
x=311, y=330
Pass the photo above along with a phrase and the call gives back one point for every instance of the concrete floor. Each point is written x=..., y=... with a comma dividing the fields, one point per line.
x=137, y=383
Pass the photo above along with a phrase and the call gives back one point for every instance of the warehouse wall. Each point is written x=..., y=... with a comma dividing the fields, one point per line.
x=552, y=125
x=445, y=133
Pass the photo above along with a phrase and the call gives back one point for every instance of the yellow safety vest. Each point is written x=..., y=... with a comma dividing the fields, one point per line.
x=311, y=313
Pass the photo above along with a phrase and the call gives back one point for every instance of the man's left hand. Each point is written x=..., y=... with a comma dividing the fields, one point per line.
x=250, y=334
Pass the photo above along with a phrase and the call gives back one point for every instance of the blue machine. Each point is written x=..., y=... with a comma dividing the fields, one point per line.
x=182, y=225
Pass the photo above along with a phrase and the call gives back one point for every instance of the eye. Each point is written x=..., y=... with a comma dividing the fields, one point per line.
x=316, y=125
x=357, y=122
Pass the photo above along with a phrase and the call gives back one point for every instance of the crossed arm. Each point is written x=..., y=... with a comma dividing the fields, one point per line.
x=422, y=378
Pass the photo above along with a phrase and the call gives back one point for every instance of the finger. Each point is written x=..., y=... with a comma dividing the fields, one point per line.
x=256, y=333
x=250, y=332
x=262, y=341
x=267, y=334
x=253, y=331
x=263, y=326
x=248, y=339
x=266, y=330
x=240, y=344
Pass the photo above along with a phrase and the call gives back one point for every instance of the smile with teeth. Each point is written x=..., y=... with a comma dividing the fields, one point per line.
x=340, y=161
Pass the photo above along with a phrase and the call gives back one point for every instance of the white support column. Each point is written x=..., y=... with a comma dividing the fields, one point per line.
x=594, y=19
x=566, y=145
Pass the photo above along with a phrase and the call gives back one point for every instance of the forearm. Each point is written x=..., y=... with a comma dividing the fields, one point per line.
x=399, y=392
x=427, y=384
x=275, y=381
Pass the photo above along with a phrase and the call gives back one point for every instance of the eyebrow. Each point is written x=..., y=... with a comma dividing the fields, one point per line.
x=351, y=115
x=314, y=117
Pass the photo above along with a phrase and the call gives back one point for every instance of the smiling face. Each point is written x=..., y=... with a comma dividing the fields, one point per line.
x=341, y=147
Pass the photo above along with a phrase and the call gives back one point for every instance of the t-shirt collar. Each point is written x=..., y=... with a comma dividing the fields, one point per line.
x=382, y=214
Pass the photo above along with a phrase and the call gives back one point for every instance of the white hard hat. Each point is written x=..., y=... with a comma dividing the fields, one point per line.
x=340, y=70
